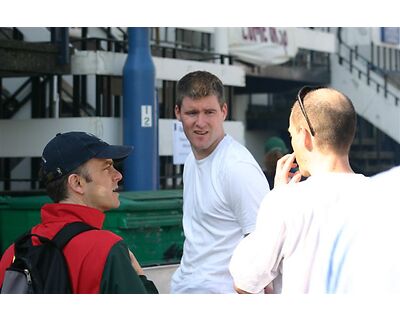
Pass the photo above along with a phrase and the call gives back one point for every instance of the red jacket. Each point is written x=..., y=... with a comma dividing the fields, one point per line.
x=86, y=253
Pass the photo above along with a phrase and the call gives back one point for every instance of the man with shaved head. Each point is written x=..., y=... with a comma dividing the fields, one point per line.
x=298, y=222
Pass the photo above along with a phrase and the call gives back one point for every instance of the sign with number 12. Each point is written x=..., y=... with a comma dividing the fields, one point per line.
x=147, y=119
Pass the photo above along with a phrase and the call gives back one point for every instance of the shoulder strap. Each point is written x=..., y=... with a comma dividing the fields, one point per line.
x=69, y=231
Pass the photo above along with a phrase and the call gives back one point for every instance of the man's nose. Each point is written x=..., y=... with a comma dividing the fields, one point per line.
x=117, y=175
x=200, y=121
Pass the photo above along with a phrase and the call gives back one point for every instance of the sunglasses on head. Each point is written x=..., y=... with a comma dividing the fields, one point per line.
x=300, y=98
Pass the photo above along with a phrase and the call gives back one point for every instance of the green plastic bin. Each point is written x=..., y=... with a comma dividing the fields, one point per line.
x=150, y=222
x=18, y=215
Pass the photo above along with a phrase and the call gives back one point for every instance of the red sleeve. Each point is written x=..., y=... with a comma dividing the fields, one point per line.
x=5, y=262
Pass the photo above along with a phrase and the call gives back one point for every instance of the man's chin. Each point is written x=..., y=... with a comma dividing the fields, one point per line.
x=202, y=145
x=115, y=204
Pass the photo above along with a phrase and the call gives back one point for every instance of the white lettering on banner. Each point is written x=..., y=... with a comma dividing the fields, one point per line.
x=261, y=45
x=180, y=144
x=147, y=119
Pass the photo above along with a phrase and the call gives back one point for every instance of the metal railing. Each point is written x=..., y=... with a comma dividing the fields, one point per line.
x=348, y=56
x=11, y=105
x=15, y=34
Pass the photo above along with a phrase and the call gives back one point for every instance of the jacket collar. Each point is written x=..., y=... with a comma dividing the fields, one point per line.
x=63, y=212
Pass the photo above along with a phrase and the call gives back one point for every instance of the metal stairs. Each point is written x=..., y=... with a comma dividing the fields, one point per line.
x=376, y=97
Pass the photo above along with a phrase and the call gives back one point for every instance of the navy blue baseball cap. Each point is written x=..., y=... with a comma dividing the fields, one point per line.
x=67, y=151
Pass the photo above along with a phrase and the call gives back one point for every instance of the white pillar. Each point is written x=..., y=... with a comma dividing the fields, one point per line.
x=221, y=44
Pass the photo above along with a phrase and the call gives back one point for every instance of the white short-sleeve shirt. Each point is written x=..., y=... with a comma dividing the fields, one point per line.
x=221, y=197
x=296, y=226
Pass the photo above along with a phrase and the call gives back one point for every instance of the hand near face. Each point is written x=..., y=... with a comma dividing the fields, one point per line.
x=283, y=174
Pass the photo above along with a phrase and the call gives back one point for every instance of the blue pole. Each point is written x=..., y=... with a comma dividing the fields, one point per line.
x=140, y=114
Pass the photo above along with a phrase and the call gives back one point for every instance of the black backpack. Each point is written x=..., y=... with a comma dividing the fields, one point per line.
x=41, y=268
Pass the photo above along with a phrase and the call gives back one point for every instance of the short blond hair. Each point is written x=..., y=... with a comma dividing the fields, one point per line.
x=332, y=116
x=199, y=84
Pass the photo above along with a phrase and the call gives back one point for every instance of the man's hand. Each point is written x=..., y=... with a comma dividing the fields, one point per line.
x=269, y=289
x=135, y=264
x=283, y=174
x=240, y=291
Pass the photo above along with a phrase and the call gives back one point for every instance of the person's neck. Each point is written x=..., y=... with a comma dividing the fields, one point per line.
x=202, y=154
x=74, y=200
x=330, y=164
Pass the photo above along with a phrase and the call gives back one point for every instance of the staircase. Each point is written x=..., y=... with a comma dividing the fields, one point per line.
x=376, y=98
x=32, y=62
x=86, y=87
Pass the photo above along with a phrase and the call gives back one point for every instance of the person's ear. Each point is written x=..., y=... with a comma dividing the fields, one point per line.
x=178, y=112
x=75, y=182
x=225, y=110
x=307, y=139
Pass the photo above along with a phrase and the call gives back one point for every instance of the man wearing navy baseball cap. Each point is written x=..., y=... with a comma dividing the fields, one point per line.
x=78, y=171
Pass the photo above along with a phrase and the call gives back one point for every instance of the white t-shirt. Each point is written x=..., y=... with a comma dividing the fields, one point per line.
x=296, y=226
x=221, y=197
x=366, y=256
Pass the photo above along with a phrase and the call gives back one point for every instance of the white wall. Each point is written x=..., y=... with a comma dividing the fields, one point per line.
x=27, y=138
x=253, y=140
x=315, y=40
x=21, y=171
x=35, y=34
x=108, y=63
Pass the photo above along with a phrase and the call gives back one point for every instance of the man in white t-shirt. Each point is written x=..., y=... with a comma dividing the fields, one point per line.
x=223, y=188
x=298, y=222
x=365, y=257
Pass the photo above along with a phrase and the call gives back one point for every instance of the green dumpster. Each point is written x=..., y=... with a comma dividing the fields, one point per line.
x=3, y=204
x=18, y=215
x=150, y=222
